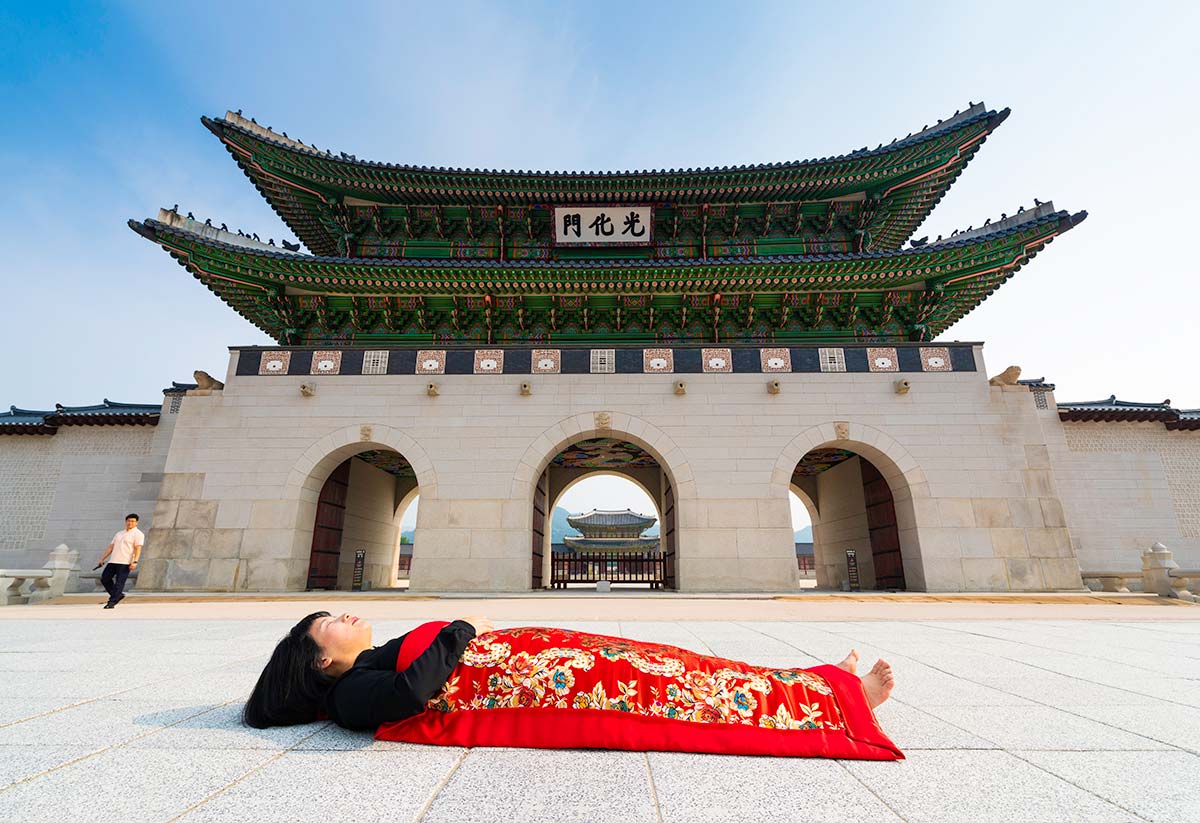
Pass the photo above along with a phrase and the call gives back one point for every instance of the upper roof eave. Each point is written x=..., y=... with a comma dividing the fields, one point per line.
x=300, y=189
x=974, y=113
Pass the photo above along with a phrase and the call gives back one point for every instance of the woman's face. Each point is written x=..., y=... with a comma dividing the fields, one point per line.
x=341, y=637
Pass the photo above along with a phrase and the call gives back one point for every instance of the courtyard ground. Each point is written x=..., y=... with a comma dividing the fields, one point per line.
x=1009, y=709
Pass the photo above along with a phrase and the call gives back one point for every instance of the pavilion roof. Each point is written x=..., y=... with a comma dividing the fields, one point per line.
x=1112, y=410
x=306, y=186
x=285, y=293
x=610, y=543
x=599, y=517
x=108, y=413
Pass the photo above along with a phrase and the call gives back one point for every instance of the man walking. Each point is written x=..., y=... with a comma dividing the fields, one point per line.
x=122, y=554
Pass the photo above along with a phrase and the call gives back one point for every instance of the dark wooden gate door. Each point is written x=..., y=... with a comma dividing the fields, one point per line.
x=668, y=533
x=881, y=525
x=539, y=529
x=327, y=530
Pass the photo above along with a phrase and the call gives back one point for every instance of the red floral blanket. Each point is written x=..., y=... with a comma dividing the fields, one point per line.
x=556, y=689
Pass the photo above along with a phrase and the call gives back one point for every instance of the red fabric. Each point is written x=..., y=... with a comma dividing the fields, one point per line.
x=417, y=641
x=554, y=689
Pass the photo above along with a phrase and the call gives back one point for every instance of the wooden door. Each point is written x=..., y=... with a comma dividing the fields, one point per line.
x=881, y=525
x=668, y=533
x=327, y=530
x=539, y=529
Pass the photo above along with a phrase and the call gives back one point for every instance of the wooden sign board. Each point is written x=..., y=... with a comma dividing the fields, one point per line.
x=852, y=569
x=603, y=225
x=360, y=560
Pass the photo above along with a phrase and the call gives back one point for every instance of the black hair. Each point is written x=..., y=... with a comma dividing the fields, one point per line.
x=291, y=688
x=134, y=516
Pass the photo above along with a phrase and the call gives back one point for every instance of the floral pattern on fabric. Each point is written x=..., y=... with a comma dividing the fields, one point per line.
x=554, y=668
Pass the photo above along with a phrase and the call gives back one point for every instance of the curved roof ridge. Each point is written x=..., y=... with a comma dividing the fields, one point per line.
x=1112, y=402
x=171, y=217
x=1044, y=213
x=14, y=411
x=107, y=405
x=235, y=120
x=610, y=511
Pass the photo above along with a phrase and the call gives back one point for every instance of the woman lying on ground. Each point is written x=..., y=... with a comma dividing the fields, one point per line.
x=466, y=684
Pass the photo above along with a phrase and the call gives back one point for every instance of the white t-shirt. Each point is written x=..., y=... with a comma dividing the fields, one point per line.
x=123, y=543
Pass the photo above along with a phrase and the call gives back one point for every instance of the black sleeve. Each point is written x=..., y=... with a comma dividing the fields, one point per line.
x=368, y=697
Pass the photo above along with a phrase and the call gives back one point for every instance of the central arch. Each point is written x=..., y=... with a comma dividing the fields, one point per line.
x=677, y=488
x=612, y=457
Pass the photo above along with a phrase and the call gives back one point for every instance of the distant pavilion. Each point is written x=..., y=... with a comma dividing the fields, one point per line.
x=611, y=531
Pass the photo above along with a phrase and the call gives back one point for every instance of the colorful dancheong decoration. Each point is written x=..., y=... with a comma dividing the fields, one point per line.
x=786, y=254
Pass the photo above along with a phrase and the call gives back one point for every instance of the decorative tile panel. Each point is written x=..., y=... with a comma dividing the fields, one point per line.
x=664, y=359
x=882, y=360
x=431, y=362
x=936, y=358
x=489, y=361
x=776, y=360
x=832, y=360
x=326, y=362
x=375, y=362
x=604, y=361
x=658, y=361
x=716, y=361
x=545, y=361
x=275, y=362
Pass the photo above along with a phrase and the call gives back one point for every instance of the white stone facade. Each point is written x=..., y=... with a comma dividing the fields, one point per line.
x=991, y=492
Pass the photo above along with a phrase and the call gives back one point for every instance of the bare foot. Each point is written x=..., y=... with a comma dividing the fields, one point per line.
x=850, y=664
x=879, y=682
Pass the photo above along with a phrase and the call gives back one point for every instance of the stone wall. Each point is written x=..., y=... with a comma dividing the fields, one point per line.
x=1125, y=486
x=76, y=486
x=968, y=463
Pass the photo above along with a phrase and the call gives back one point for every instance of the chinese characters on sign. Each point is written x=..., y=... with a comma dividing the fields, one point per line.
x=602, y=225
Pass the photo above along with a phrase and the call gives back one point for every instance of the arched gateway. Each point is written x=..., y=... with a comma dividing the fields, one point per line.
x=588, y=458
x=714, y=324
x=858, y=496
x=603, y=443
x=363, y=485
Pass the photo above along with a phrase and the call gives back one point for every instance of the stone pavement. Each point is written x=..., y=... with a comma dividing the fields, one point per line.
x=132, y=715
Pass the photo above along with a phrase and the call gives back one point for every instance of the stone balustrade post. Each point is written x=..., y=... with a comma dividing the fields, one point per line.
x=1157, y=564
x=63, y=563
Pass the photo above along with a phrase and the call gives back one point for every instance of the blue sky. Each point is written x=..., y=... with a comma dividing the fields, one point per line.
x=102, y=124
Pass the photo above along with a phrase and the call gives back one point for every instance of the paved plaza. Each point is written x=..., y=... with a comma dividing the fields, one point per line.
x=1043, y=713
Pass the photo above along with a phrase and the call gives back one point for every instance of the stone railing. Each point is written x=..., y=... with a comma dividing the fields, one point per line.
x=1111, y=581
x=36, y=585
x=1160, y=575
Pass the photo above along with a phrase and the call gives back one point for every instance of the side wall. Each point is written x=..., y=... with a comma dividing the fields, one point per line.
x=76, y=486
x=1125, y=486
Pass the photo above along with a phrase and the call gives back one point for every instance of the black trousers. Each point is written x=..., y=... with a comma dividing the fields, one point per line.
x=113, y=579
